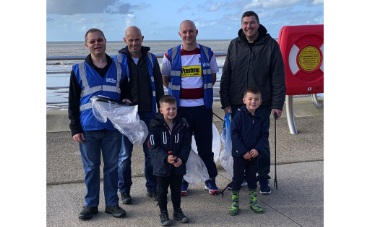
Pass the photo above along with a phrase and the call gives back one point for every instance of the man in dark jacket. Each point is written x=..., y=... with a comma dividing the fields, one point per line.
x=145, y=80
x=254, y=59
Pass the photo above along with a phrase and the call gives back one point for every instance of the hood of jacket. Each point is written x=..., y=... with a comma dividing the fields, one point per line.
x=262, y=32
x=125, y=50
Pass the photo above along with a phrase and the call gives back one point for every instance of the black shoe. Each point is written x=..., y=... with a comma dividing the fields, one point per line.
x=126, y=198
x=178, y=215
x=116, y=211
x=87, y=212
x=152, y=194
x=165, y=221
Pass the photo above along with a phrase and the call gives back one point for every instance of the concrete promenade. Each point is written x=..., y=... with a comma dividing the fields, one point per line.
x=298, y=201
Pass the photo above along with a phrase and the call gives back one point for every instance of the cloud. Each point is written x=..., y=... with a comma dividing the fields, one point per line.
x=185, y=7
x=142, y=6
x=316, y=2
x=70, y=7
x=257, y=4
x=214, y=6
x=124, y=9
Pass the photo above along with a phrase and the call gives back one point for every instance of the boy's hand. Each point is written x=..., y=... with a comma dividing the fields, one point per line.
x=178, y=162
x=171, y=159
x=247, y=156
x=254, y=153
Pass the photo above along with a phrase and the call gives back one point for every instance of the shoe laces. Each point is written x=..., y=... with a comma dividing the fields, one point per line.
x=164, y=217
x=180, y=214
x=116, y=207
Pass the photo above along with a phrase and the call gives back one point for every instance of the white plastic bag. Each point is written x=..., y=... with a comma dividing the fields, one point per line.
x=216, y=143
x=123, y=118
x=226, y=159
x=196, y=171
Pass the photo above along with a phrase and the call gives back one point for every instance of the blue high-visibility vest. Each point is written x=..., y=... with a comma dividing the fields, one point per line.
x=174, y=86
x=92, y=84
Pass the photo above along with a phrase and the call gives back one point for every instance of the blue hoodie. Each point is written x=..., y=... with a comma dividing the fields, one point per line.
x=248, y=132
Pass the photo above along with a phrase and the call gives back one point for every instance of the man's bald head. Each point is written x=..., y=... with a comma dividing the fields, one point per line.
x=133, y=29
x=133, y=39
x=188, y=22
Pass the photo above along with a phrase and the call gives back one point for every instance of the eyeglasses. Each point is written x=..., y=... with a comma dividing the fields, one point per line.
x=98, y=40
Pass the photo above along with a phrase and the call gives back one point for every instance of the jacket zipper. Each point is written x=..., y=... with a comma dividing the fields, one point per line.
x=169, y=131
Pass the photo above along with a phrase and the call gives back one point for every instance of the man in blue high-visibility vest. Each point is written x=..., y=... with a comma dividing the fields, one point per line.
x=189, y=72
x=146, y=89
x=97, y=75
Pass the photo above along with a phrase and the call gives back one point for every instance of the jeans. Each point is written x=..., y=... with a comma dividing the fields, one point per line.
x=264, y=160
x=108, y=143
x=124, y=161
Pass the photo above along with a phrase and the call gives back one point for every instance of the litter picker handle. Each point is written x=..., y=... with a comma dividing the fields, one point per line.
x=275, y=181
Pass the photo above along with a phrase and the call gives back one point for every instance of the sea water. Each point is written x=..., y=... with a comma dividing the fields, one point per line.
x=57, y=84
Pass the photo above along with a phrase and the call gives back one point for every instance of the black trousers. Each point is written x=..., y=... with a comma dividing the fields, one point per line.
x=250, y=167
x=199, y=119
x=174, y=181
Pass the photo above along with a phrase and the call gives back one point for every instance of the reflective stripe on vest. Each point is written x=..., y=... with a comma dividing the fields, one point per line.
x=90, y=90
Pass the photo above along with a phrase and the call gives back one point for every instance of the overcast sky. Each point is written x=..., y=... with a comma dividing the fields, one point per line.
x=68, y=20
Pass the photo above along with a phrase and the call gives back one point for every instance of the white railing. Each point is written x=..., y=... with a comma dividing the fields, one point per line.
x=65, y=58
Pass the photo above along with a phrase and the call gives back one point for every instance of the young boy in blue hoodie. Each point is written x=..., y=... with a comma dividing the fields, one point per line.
x=170, y=143
x=249, y=133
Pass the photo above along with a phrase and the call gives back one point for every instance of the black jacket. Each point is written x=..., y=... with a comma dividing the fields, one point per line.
x=75, y=94
x=259, y=65
x=162, y=140
x=141, y=91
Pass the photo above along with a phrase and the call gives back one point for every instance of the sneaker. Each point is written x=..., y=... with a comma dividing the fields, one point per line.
x=178, y=215
x=244, y=183
x=116, y=211
x=87, y=212
x=210, y=185
x=126, y=198
x=163, y=217
x=184, y=187
x=152, y=194
x=264, y=187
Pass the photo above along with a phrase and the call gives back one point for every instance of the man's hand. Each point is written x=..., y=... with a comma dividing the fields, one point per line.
x=126, y=100
x=228, y=109
x=178, y=163
x=79, y=137
x=278, y=112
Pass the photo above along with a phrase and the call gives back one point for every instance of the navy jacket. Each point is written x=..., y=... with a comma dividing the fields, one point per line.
x=248, y=132
x=161, y=140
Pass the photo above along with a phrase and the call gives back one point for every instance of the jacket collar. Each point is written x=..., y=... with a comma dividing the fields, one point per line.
x=125, y=51
x=245, y=110
x=159, y=117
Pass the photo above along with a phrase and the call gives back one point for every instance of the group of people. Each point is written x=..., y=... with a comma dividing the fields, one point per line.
x=253, y=71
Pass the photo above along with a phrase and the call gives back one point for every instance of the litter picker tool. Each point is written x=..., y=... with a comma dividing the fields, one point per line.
x=275, y=180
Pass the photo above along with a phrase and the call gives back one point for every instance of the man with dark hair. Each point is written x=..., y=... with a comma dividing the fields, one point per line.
x=254, y=59
x=97, y=75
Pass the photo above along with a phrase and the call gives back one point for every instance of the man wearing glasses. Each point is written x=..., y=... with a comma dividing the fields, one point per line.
x=97, y=75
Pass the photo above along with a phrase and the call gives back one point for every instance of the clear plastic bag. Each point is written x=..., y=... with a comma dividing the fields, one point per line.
x=226, y=159
x=196, y=170
x=123, y=118
x=216, y=143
